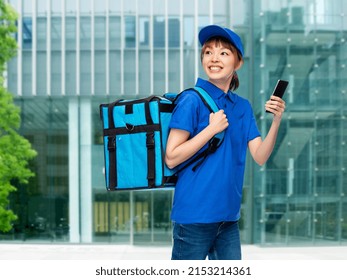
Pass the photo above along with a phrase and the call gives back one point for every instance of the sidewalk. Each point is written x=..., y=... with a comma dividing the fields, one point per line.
x=128, y=252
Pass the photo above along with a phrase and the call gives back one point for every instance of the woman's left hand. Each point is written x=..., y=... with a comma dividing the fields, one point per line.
x=275, y=105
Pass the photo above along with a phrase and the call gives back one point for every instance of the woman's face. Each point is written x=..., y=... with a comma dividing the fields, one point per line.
x=219, y=63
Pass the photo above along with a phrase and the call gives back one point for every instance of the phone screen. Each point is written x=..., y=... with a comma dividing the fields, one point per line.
x=280, y=89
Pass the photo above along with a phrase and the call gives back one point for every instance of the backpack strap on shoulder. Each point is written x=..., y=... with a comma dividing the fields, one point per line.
x=212, y=106
x=215, y=141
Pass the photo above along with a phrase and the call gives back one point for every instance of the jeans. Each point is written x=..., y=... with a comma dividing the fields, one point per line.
x=218, y=241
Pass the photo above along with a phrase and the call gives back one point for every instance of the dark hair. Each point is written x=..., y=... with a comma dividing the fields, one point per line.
x=234, y=84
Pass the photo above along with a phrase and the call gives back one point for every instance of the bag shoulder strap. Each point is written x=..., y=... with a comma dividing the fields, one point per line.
x=216, y=140
x=212, y=106
x=207, y=99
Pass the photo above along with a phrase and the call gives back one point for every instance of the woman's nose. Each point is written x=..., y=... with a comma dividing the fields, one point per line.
x=215, y=57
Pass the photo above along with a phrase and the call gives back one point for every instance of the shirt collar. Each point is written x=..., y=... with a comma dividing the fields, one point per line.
x=214, y=91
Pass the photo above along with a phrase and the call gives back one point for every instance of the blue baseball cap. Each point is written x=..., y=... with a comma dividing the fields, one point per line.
x=210, y=31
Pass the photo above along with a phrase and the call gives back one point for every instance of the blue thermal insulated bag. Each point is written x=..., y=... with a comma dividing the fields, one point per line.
x=135, y=133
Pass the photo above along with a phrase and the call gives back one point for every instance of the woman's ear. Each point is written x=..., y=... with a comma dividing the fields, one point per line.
x=238, y=64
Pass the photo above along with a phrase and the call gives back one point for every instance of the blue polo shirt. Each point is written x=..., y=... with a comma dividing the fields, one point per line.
x=212, y=193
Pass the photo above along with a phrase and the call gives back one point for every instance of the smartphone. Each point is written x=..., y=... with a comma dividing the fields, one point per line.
x=280, y=88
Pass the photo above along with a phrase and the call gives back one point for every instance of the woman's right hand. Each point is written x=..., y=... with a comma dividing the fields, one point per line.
x=180, y=147
x=218, y=121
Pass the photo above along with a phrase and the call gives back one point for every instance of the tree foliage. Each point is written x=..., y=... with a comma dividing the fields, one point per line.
x=15, y=150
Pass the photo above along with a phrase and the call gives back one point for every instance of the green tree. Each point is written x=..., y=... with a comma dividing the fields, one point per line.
x=15, y=150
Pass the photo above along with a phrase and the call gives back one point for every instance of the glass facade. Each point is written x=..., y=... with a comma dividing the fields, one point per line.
x=74, y=55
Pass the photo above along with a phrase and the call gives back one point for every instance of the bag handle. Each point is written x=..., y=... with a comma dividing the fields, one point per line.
x=146, y=102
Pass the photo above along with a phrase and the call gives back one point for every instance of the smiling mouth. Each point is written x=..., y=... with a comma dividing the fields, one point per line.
x=215, y=68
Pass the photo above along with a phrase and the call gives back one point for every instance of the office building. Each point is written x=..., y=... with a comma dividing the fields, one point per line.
x=74, y=55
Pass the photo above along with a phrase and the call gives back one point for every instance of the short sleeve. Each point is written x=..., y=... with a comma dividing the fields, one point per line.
x=253, y=131
x=185, y=114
